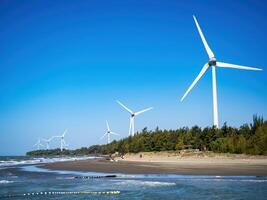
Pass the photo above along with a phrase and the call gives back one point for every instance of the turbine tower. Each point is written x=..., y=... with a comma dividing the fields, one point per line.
x=62, y=140
x=132, y=116
x=38, y=144
x=48, y=142
x=213, y=63
x=108, y=133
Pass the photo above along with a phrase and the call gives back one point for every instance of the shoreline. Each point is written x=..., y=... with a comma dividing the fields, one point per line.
x=159, y=163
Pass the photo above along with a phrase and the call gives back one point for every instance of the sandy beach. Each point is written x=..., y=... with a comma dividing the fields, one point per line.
x=173, y=163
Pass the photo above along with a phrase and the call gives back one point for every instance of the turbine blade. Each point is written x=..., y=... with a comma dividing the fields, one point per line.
x=210, y=53
x=227, y=65
x=38, y=142
x=131, y=112
x=203, y=70
x=65, y=133
x=64, y=142
x=107, y=125
x=142, y=111
x=111, y=132
x=103, y=136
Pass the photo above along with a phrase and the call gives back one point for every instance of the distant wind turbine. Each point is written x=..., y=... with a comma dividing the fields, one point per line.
x=62, y=140
x=132, y=115
x=108, y=133
x=213, y=63
x=48, y=142
x=38, y=144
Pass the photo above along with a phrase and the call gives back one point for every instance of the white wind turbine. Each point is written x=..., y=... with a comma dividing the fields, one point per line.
x=38, y=144
x=108, y=133
x=213, y=63
x=48, y=142
x=62, y=140
x=132, y=115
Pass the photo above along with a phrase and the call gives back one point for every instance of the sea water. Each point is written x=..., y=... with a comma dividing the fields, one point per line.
x=23, y=176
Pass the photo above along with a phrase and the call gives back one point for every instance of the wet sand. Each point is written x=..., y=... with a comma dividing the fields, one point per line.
x=219, y=166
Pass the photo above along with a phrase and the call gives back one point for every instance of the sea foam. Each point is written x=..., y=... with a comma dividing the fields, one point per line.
x=12, y=162
x=145, y=183
x=5, y=182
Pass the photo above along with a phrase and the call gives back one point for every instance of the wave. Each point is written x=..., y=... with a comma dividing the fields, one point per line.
x=227, y=179
x=145, y=183
x=5, y=182
x=246, y=180
x=31, y=161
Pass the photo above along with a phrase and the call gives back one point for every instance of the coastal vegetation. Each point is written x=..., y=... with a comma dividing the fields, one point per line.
x=247, y=139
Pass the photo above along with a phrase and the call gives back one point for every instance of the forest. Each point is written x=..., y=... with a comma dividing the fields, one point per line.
x=247, y=139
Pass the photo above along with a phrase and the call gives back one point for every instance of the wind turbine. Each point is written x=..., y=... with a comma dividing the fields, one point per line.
x=132, y=115
x=212, y=63
x=108, y=133
x=62, y=140
x=38, y=144
x=48, y=142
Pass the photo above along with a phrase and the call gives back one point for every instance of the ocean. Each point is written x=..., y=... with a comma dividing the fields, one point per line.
x=22, y=178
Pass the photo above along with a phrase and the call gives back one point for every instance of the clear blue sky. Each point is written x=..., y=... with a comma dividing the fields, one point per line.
x=64, y=63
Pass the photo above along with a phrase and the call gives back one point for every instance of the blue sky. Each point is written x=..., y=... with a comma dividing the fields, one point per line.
x=64, y=64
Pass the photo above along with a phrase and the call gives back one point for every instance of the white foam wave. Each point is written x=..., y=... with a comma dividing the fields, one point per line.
x=233, y=180
x=256, y=181
x=10, y=163
x=65, y=178
x=251, y=181
x=144, y=183
x=5, y=181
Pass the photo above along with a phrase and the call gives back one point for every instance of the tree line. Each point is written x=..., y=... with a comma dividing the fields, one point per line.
x=247, y=139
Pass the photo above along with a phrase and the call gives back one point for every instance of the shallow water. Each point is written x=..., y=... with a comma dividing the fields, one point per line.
x=22, y=179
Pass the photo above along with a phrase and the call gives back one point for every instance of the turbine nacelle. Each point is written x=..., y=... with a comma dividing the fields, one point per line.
x=212, y=62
